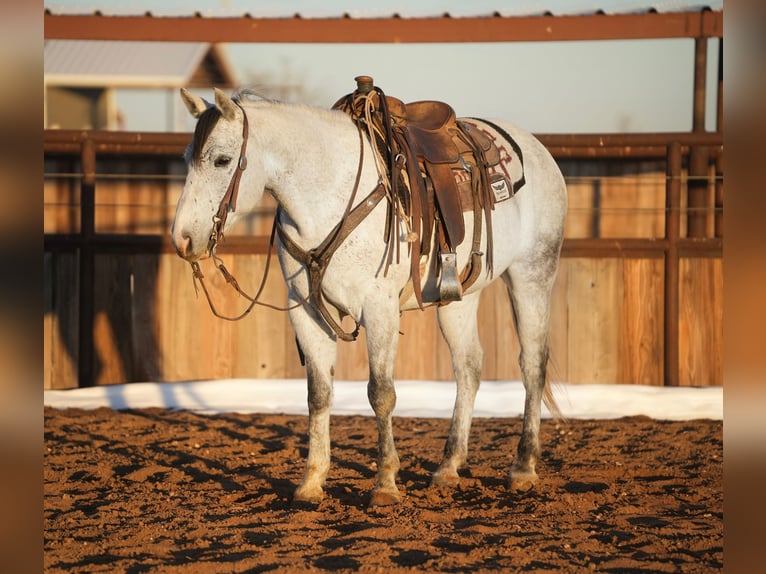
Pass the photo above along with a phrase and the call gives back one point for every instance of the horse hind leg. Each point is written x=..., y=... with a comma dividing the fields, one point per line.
x=530, y=290
x=458, y=323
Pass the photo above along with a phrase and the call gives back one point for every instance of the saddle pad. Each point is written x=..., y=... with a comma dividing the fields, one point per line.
x=511, y=165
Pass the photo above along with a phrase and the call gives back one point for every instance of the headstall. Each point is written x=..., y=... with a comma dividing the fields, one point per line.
x=315, y=260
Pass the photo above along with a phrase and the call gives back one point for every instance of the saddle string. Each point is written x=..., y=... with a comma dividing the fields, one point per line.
x=382, y=151
x=389, y=165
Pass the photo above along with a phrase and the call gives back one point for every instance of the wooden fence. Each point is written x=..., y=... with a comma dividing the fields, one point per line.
x=638, y=297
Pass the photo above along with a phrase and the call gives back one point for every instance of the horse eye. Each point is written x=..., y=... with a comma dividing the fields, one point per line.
x=222, y=161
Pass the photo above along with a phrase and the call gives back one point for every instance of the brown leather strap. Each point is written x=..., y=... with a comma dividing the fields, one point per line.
x=316, y=260
x=471, y=272
x=199, y=277
x=229, y=200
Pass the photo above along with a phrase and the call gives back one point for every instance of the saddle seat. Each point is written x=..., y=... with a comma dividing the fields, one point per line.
x=430, y=125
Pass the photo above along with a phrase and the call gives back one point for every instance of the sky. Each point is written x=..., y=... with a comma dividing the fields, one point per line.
x=546, y=87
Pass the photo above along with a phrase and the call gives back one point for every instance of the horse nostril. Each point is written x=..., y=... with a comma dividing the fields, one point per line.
x=184, y=245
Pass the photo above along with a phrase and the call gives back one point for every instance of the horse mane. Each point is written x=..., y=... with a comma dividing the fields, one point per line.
x=251, y=94
x=248, y=95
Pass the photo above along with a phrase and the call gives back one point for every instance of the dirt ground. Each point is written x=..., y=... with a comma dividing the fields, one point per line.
x=155, y=490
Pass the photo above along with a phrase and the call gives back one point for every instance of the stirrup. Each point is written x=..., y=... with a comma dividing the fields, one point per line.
x=450, y=288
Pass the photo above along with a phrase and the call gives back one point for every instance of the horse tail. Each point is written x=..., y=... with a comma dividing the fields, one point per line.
x=549, y=400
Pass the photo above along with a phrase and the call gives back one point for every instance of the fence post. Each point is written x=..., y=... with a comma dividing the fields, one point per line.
x=719, y=195
x=697, y=186
x=672, y=234
x=87, y=263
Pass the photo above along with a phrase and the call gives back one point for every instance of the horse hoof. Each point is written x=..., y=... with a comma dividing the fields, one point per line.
x=306, y=496
x=522, y=481
x=385, y=497
x=445, y=478
x=520, y=485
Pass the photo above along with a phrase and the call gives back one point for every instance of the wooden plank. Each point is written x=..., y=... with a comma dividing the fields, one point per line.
x=558, y=333
x=632, y=200
x=48, y=321
x=147, y=363
x=581, y=180
x=418, y=356
x=701, y=322
x=61, y=197
x=498, y=334
x=181, y=319
x=352, y=364
x=61, y=318
x=107, y=356
x=112, y=321
x=641, y=353
x=262, y=346
x=595, y=293
x=616, y=199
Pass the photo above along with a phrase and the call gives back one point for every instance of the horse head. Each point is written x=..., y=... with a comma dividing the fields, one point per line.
x=216, y=169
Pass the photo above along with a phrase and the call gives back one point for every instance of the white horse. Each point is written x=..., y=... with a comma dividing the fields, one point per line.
x=308, y=159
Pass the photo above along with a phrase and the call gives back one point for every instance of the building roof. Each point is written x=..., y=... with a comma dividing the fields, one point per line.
x=86, y=63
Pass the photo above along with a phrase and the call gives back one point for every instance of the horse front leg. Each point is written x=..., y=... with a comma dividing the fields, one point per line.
x=320, y=350
x=382, y=341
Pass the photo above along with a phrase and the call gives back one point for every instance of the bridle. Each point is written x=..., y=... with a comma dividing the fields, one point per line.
x=315, y=260
x=229, y=200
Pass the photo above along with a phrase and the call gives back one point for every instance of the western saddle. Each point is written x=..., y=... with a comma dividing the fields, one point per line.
x=434, y=168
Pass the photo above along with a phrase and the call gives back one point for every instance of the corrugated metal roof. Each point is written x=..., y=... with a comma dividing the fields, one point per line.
x=121, y=64
x=381, y=8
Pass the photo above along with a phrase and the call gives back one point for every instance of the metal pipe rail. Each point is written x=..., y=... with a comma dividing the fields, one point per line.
x=394, y=29
x=562, y=146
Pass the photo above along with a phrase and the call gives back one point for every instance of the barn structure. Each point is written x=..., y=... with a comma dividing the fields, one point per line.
x=639, y=293
x=82, y=79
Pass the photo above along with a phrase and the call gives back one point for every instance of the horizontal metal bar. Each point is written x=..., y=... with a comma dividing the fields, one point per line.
x=647, y=25
x=602, y=247
x=700, y=247
x=149, y=243
x=118, y=176
x=648, y=139
x=627, y=145
x=255, y=245
x=641, y=248
x=117, y=142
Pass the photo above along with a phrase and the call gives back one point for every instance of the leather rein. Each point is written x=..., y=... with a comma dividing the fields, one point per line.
x=315, y=260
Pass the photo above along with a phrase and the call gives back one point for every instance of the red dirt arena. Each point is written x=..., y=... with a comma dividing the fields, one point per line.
x=160, y=490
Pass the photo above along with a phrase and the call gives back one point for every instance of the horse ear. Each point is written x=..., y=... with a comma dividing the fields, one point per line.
x=194, y=104
x=225, y=105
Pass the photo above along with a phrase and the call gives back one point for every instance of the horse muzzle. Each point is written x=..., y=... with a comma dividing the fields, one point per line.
x=188, y=249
